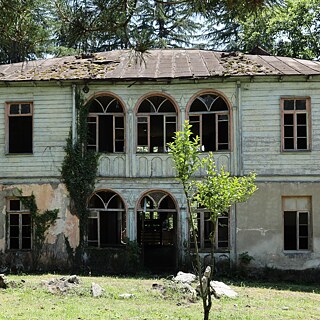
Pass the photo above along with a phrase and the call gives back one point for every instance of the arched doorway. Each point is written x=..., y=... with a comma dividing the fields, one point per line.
x=157, y=230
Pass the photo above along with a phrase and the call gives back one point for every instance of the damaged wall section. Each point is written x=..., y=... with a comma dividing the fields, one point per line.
x=54, y=256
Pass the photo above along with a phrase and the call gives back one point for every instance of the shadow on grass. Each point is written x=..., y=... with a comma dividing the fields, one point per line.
x=276, y=285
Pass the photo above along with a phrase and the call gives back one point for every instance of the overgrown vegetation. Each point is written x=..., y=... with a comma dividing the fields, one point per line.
x=79, y=171
x=217, y=191
x=41, y=223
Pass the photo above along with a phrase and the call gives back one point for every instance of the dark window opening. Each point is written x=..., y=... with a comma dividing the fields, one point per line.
x=209, y=117
x=19, y=226
x=205, y=227
x=107, y=220
x=106, y=131
x=296, y=230
x=208, y=132
x=156, y=124
x=20, y=132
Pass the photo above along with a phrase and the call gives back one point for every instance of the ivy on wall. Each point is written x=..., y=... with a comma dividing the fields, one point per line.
x=79, y=172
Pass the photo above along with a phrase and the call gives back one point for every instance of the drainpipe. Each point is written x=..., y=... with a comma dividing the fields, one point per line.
x=239, y=171
x=239, y=120
x=73, y=125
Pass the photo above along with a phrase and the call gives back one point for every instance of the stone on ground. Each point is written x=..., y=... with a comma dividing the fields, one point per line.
x=185, y=277
x=221, y=289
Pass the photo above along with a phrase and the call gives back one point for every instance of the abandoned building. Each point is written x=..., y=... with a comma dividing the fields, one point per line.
x=255, y=112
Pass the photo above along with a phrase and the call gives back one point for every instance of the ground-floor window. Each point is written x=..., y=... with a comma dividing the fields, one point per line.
x=107, y=220
x=19, y=226
x=296, y=223
x=204, y=229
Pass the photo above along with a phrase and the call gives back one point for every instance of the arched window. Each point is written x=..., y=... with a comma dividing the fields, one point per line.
x=156, y=124
x=106, y=125
x=107, y=219
x=209, y=117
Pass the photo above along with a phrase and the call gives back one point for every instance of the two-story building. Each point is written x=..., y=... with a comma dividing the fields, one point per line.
x=255, y=112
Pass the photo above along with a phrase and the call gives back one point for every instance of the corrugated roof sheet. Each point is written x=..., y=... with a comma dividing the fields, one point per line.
x=156, y=64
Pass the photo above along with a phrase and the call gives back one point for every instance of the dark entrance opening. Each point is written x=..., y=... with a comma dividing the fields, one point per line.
x=156, y=228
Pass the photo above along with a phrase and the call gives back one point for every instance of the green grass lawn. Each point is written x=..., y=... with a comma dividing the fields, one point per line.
x=31, y=300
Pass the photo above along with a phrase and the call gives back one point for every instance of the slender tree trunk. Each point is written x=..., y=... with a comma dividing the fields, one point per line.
x=205, y=294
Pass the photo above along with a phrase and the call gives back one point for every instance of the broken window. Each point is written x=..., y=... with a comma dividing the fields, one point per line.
x=156, y=124
x=19, y=131
x=19, y=231
x=204, y=229
x=295, y=124
x=107, y=220
x=296, y=222
x=106, y=129
x=209, y=117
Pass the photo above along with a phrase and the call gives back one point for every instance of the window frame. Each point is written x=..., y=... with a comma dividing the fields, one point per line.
x=95, y=214
x=8, y=115
x=202, y=241
x=216, y=114
x=294, y=112
x=298, y=224
x=22, y=211
x=148, y=115
x=114, y=115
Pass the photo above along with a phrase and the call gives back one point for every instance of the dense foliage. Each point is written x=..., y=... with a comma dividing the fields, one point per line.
x=289, y=28
x=24, y=30
x=32, y=29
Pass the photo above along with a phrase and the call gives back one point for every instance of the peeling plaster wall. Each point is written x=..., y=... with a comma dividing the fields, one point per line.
x=259, y=228
x=48, y=196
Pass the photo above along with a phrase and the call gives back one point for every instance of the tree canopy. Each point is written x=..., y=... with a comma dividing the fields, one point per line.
x=32, y=29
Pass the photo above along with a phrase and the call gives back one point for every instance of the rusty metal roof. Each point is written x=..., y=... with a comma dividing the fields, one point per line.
x=122, y=65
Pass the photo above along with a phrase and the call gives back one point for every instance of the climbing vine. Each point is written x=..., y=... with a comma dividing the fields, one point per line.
x=79, y=171
x=41, y=223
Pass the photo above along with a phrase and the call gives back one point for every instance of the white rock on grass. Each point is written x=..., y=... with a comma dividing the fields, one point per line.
x=185, y=277
x=96, y=290
x=126, y=296
x=221, y=289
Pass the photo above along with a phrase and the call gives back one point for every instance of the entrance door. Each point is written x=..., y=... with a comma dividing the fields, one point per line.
x=157, y=225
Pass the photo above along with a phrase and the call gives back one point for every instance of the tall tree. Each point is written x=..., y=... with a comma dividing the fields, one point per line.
x=24, y=33
x=290, y=28
x=97, y=25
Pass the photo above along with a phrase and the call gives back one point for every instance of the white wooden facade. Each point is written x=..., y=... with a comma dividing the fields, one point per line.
x=287, y=180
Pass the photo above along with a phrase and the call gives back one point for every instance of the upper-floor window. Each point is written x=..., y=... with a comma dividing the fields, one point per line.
x=295, y=124
x=106, y=129
x=209, y=117
x=19, y=127
x=19, y=227
x=156, y=124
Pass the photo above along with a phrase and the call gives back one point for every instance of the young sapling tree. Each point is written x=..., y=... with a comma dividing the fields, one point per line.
x=217, y=191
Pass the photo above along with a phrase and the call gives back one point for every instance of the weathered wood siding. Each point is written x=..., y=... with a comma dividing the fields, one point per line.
x=51, y=125
x=52, y=120
x=261, y=129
